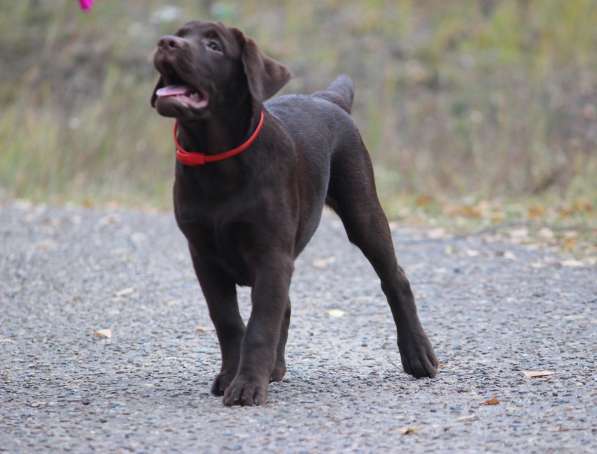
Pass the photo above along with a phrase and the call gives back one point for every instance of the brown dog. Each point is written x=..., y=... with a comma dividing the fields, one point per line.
x=248, y=214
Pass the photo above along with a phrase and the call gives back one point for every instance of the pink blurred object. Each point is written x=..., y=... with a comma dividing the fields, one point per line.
x=86, y=4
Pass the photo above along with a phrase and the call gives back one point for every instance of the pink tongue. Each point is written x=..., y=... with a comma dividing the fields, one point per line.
x=172, y=90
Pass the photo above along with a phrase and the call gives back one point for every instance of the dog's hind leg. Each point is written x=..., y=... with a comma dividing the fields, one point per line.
x=353, y=196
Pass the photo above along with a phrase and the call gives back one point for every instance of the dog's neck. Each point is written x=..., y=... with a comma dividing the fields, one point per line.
x=224, y=129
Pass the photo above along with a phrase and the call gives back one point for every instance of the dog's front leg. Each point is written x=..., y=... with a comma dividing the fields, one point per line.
x=258, y=351
x=220, y=293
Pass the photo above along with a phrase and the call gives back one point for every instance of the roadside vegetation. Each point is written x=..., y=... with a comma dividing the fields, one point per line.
x=478, y=114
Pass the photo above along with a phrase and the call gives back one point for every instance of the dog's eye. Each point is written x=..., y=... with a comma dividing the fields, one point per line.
x=214, y=45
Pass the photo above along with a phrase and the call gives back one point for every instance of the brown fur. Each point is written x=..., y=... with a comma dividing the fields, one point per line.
x=246, y=219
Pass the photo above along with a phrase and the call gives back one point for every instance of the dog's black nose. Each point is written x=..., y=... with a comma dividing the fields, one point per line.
x=170, y=42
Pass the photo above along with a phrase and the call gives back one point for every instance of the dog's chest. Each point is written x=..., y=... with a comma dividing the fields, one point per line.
x=224, y=242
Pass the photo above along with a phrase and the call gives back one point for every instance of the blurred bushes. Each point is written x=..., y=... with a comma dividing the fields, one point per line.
x=483, y=98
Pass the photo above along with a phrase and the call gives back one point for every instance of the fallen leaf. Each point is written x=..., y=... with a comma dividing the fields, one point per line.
x=536, y=212
x=467, y=418
x=519, y=234
x=201, y=329
x=408, y=430
x=577, y=207
x=435, y=234
x=537, y=373
x=37, y=403
x=423, y=200
x=569, y=244
x=104, y=333
x=506, y=254
x=582, y=205
x=124, y=292
x=497, y=217
x=546, y=233
x=335, y=313
x=323, y=262
x=467, y=211
x=109, y=219
x=46, y=245
x=509, y=255
x=492, y=401
x=571, y=263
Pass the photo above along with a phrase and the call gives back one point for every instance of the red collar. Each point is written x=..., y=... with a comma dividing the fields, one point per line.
x=196, y=158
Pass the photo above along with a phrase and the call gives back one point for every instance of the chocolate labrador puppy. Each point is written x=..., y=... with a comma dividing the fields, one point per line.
x=252, y=178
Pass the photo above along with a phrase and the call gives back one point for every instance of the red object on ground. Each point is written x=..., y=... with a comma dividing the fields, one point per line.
x=86, y=4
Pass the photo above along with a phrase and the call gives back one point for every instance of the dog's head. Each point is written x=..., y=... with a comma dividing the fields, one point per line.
x=207, y=66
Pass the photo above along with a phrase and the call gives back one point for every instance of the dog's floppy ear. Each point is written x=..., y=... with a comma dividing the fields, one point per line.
x=158, y=85
x=265, y=76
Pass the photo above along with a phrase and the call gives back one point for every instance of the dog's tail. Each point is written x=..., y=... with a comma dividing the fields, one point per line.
x=340, y=92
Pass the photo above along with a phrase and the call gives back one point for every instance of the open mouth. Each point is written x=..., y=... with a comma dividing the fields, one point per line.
x=184, y=95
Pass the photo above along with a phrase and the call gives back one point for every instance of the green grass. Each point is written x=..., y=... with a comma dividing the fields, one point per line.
x=456, y=102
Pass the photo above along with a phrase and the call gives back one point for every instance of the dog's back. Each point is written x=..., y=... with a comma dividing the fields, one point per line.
x=339, y=93
x=321, y=121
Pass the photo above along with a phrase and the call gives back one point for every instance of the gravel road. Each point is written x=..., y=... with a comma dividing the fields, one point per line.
x=492, y=310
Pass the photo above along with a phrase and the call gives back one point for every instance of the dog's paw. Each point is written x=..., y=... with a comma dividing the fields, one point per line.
x=221, y=382
x=245, y=391
x=417, y=355
x=278, y=373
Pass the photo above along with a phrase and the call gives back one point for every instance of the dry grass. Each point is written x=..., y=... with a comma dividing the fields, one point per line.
x=481, y=100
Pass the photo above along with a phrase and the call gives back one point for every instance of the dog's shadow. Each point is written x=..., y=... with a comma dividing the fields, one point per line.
x=303, y=387
x=180, y=388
